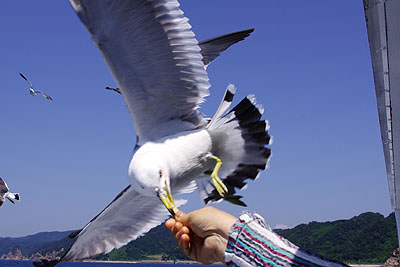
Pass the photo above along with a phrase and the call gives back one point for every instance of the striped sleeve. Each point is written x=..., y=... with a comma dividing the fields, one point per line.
x=253, y=243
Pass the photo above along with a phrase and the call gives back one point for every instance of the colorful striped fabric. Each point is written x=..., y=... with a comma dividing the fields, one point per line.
x=253, y=243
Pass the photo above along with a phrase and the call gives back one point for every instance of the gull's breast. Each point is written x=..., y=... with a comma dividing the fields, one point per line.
x=187, y=154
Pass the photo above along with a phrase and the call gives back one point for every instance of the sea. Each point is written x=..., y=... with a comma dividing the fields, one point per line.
x=12, y=263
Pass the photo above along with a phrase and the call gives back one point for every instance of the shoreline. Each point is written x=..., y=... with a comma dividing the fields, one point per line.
x=143, y=261
x=188, y=262
x=151, y=262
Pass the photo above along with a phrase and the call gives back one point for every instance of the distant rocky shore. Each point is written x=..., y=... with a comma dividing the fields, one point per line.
x=393, y=261
x=16, y=254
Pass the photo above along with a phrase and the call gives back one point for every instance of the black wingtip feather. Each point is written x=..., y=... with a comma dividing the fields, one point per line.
x=45, y=263
x=74, y=234
x=23, y=76
x=229, y=96
x=235, y=199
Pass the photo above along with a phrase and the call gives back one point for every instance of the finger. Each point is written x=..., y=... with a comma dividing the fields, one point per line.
x=169, y=224
x=182, y=217
x=178, y=214
x=183, y=230
x=184, y=243
x=177, y=227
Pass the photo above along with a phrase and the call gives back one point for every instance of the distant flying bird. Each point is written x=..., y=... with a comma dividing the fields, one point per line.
x=210, y=49
x=4, y=193
x=156, y=61
x=33, y=91
x=114, y=89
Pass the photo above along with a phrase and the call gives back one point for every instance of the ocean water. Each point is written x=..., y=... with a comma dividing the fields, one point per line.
x=8, y=263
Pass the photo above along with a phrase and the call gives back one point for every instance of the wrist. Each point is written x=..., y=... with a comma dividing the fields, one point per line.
x=225, y=229
x=220, y=248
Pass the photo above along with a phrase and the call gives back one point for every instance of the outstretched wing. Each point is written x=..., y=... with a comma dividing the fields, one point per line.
x=46, y=96
x=3, y=187
x=127, y=217
x=212, y=48
x=26, y=79
x=3, y=190
x=155, y=59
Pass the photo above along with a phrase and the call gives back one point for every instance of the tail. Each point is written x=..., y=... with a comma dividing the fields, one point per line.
x=242, y=137
x=12, y=196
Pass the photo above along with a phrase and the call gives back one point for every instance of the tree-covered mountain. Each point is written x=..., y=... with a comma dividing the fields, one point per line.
x=367, y=238
x=29, y=244
x=158, y=241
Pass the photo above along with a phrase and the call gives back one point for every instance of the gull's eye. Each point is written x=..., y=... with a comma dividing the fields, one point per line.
x=160, y=173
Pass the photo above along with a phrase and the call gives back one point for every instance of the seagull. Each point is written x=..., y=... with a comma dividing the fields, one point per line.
x=32, y=91
x=210, y=49
x=156, y=61
x=114, y=89
x=4, y=193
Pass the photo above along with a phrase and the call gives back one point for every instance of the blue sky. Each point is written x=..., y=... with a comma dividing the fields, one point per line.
x=307, y=62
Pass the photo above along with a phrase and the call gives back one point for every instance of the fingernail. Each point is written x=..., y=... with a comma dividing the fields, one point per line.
x=179, y=214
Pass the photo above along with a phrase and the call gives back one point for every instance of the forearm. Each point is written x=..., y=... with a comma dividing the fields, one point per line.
x=253, y=243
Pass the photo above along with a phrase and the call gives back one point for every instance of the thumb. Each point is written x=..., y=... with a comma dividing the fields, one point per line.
x=182, y=217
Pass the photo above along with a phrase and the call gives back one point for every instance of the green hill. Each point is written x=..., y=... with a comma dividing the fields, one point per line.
x=158, y=241
x=367, y=238
x=29, y=244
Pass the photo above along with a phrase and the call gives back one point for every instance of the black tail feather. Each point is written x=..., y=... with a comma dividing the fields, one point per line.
x=254, y=131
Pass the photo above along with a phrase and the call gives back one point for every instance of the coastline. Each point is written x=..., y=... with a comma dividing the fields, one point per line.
x=152, y=262
x=189, y=262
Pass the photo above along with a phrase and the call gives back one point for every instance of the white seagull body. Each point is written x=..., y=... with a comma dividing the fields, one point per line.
x=6, y=194
x=32, y=91
x=156, y=61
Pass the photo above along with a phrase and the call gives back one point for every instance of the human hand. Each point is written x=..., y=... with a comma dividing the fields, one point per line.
x=202, y=234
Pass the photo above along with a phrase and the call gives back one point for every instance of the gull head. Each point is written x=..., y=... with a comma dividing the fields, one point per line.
x=149, y=175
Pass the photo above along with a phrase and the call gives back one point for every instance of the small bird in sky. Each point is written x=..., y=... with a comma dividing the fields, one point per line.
x=32, y=91
x=4, y=193
x=114, y=89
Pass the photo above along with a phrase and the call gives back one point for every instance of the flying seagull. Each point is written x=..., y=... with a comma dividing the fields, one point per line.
x=210, y=49
x=114, y=89
x=32, y=91
x=156, y=61
x=4, y=193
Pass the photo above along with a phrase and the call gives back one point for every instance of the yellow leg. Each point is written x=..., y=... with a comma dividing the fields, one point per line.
x=168, y=202
x=218, y=184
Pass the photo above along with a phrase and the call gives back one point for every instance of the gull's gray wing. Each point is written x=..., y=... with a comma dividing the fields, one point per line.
x=3, y=190
x=212, y=48
x=46, y=96
x=155, y=59
x=3, y=187
x=26, y=79
x=127, y=217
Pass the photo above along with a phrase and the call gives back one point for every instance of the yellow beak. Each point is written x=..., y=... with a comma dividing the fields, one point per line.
x=166, y=199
